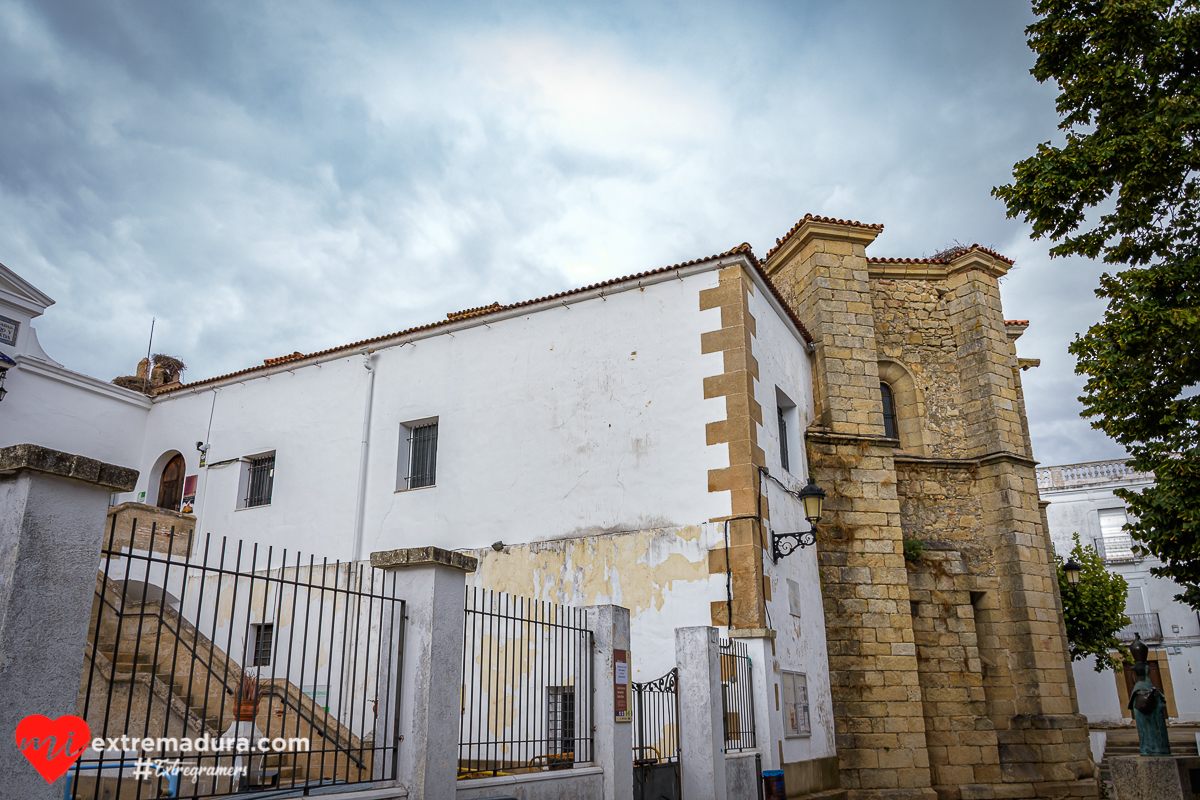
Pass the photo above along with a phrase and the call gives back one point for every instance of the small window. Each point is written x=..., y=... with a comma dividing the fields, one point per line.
x=263, y=637
x=258, y=479
x=793, y=588
x=418, y=454
x=788, y=421
x=889, y=411
x=560, y=722
x=783, y=451
x=795, y=704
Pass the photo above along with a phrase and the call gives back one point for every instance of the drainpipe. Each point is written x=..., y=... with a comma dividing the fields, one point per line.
x=360, y=507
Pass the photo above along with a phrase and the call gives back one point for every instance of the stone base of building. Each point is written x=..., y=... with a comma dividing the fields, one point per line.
x=1155, y=777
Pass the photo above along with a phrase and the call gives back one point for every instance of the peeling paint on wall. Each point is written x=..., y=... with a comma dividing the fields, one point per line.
x=635, y=569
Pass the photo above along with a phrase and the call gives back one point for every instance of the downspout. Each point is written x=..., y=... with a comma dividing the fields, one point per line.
x=360, y=507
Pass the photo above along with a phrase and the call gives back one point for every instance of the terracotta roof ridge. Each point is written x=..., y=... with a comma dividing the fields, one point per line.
x=742, y=249
x=942, y=260
x=294, y=356
x=1016, y=322
x=471, y=312
x=875, y=226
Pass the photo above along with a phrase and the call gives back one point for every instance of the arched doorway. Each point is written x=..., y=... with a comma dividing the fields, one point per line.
x=170, y=486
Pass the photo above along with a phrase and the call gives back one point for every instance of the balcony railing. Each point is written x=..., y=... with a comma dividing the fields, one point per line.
x=1089, y=474
x=1145, y=625
x=1116, y=548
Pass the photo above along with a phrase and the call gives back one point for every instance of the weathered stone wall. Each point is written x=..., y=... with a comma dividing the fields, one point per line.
x=957, y=660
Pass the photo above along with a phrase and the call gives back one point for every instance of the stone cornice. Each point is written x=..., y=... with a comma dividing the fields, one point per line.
x=423, y=556
x=813, y=229
x=826, y=436
x=35, y=458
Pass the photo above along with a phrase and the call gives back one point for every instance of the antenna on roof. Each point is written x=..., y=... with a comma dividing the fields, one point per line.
x=149, y=347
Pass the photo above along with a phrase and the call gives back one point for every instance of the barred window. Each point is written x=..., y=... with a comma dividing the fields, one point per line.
x=422, y=448
x=261, y=479
x=263, y=636
x=560, y=708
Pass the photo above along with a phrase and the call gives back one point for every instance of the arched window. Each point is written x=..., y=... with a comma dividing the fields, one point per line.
x=889, y=411
x=170, y=486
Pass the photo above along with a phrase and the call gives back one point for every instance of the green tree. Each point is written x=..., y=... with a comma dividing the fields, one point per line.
x=1125, y=186
x=1094, y=610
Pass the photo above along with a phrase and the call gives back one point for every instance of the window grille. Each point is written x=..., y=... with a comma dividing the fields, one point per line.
x=560, y=707
x=783, y=451
x=889, y=411
x=262, y=478
x=263, y=636
x=422, y=445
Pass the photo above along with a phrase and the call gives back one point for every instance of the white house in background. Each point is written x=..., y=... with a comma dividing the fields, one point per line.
x=1081, y=500
x=46, y=403
x=580, y=432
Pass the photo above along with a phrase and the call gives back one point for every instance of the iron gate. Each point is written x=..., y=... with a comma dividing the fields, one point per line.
x=236, y=668
x=656, y=759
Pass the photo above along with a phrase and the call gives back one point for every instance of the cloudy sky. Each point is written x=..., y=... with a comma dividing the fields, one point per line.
x=271, y=177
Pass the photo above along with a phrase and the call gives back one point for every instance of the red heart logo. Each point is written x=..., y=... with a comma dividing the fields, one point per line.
x=52, y=745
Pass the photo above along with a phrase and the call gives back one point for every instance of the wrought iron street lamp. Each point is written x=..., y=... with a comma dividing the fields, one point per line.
x=784, y=544
x=1073, y=570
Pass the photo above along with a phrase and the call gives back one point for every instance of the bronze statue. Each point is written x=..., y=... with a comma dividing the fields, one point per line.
x=1149, y=705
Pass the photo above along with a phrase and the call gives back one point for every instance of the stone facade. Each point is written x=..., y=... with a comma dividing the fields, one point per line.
x=950, y=672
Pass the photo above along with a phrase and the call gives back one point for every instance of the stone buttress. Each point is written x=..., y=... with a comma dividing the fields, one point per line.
x=950, y=671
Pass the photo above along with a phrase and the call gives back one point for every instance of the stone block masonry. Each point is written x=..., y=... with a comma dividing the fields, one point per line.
x=950, y=673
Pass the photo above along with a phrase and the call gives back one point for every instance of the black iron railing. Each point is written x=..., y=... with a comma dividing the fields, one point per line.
x=526, y=686
x=177, y=651
x=737, y=696
x=656, y=720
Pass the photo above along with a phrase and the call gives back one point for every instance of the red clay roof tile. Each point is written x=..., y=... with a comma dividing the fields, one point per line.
x=495, y=307
x=814, y=218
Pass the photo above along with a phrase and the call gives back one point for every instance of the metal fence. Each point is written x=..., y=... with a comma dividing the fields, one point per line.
x=737, y=696
x=526, y=686
x=656, y=752
x=656, y=719
x=238, y=668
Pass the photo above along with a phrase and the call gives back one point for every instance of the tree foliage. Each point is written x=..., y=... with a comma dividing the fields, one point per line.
x=1125, y=186
x=1094, y=610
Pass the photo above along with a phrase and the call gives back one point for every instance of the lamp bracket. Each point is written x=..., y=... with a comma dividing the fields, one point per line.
x=784, y=544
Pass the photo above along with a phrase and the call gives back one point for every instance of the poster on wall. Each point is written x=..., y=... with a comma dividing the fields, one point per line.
x=621, y=686
x=189, y=494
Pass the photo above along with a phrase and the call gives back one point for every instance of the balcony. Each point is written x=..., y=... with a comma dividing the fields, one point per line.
x=1145, y=625
x=1093, y=473
x=1116, y=548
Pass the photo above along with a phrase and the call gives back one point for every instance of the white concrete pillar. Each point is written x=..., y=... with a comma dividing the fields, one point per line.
x=52, y=512
x=701, y=725
x=613, y=739
x=768, y=720
x=432, y=582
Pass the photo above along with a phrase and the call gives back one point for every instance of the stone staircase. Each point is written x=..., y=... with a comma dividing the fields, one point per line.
x=157, y=675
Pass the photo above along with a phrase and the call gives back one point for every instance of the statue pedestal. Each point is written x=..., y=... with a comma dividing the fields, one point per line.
x=1155, y=777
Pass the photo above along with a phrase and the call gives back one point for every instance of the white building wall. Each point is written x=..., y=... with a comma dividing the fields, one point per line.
x=568, y=421
x=784, y=366
x=1077, y=510
x=49, y=405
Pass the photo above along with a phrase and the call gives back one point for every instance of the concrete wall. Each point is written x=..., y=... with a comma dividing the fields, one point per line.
x=584, y=783
x=741, y=776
